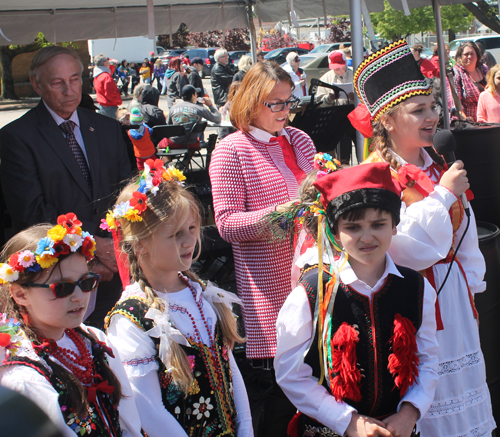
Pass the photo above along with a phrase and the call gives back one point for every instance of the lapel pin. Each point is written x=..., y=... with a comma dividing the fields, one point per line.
x=91, y=129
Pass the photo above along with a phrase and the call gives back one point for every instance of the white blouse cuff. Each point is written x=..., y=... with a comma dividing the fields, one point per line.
x=444, y=195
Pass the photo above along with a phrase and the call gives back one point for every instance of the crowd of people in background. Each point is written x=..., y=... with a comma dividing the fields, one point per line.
x=336, y=268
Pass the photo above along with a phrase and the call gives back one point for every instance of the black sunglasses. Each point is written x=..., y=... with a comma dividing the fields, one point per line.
x=87, y=283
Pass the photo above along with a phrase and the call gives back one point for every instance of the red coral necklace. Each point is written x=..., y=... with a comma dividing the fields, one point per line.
x=81, y=364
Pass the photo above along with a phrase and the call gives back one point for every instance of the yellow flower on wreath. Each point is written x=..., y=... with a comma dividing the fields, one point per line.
x=176, y=174
x=46, y=261
x=110, y=220
x=57, y=233
x=133, y=215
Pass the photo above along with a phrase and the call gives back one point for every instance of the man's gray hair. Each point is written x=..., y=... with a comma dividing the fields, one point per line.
x=46, y=54
x=219, y=54
x=99, y=60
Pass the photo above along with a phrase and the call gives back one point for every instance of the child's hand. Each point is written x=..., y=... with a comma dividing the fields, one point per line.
x=402, y=423
x=364, y=426
x=455, y=179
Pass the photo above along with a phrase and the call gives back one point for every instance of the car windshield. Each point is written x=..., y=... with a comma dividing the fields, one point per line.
x=454, y=45
x=323, y=48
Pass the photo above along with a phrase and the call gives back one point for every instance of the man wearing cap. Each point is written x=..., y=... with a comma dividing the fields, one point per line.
x=339, y=73
x=186, y=113
x=194, y=75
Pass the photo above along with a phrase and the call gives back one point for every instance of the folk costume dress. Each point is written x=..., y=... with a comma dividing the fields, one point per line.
x=217, y=403
x=27, y=372
x=372, y=312
x=431, y=226
x=250, y=176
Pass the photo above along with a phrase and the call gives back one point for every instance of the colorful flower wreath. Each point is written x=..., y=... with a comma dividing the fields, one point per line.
x=152, y=178
x=10, y=334
x=64, y=238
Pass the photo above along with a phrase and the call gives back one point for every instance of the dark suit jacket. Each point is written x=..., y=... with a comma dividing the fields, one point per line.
x=41, y=178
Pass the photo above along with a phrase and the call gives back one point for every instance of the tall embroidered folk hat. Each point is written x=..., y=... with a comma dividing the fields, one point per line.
x=362, y=186
x=384, y=79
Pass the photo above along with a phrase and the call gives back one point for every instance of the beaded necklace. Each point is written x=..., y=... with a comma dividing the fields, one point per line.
x=200, y=309
x=81, y=364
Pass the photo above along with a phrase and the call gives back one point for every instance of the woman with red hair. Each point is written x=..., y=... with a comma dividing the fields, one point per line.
x=176, y=79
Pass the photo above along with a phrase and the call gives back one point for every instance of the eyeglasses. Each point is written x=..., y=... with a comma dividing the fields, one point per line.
x=297, y=59
x=64, y=289
x=277, y=107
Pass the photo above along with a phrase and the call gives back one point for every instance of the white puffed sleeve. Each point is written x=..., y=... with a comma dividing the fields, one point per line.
x=425, y=232
x=35, y=386
x=136, y=348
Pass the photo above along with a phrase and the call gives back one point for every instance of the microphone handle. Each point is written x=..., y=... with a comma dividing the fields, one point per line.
x=463, y=197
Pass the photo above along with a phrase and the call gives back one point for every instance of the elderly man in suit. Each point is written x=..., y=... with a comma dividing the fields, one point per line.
x=60, y=158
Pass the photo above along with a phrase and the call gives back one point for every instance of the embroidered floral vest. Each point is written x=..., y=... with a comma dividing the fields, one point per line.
x=208, y=410
x=102, y=418
x=374, y=322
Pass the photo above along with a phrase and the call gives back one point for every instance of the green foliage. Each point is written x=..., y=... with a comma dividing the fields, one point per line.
x=393, y=25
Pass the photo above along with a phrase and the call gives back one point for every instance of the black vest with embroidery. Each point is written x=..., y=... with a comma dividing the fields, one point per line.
x=208, y=410
x=375, y=324
x=101, y=419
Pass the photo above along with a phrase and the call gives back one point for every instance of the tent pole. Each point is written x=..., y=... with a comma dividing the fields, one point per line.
x=357, y=58
x=442, y=66
x=251, y=28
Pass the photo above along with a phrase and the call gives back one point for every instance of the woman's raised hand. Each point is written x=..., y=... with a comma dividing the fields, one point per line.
x=455, y=179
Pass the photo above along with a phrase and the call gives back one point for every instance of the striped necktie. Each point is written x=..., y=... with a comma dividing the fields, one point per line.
x=68, y=127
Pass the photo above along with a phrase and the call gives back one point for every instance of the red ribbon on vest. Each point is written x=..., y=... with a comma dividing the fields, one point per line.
x=361, y=120
x=103, y=386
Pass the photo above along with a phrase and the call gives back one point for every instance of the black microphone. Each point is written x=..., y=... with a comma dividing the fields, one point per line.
x=445, y=145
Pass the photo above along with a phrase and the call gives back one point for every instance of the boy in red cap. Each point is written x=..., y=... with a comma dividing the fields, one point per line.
x=374, y=371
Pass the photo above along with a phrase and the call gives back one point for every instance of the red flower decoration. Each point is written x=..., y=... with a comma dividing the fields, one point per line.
x=87, y=248
x=14, y=263
x=4, y=339
x=154, y=165
x=158, y=177
x=61, y=248
x=70, y=222
x=138, y=201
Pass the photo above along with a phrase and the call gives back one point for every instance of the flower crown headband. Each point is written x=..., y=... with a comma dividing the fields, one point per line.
x=64, y=238
x=154, y=176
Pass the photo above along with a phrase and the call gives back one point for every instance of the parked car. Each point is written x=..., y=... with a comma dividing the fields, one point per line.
x=169, y=54
x=327, y=48
x=208, y=58
x=314, y=65
x=235, y=56
x=490, y=43
x=279, y=55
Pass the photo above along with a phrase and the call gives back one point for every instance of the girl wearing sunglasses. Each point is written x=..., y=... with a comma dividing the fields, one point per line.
x=47, y=354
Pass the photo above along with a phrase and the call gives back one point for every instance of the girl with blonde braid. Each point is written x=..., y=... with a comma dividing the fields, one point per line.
x=436, y=235
x=174, y=332
x=68, y=369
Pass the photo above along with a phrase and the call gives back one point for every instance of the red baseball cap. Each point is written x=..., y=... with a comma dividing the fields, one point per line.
x=337, y=60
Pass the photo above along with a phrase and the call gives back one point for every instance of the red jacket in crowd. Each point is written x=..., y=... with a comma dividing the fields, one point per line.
x=107, y=92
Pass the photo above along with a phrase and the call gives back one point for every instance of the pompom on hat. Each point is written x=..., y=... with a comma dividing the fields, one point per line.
x=384, y=79
x=363, y=186
x=136, y=116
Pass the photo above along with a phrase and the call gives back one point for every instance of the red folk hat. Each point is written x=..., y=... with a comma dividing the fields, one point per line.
x=363, y=186
x=337, y=60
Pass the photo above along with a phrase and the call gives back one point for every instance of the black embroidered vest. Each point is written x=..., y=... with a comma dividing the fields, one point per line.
x=375, y=325
x=208, y=410
x=101, y=419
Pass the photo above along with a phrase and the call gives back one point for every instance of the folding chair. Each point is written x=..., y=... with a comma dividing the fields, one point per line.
x=169, y=131
x=197, y=128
